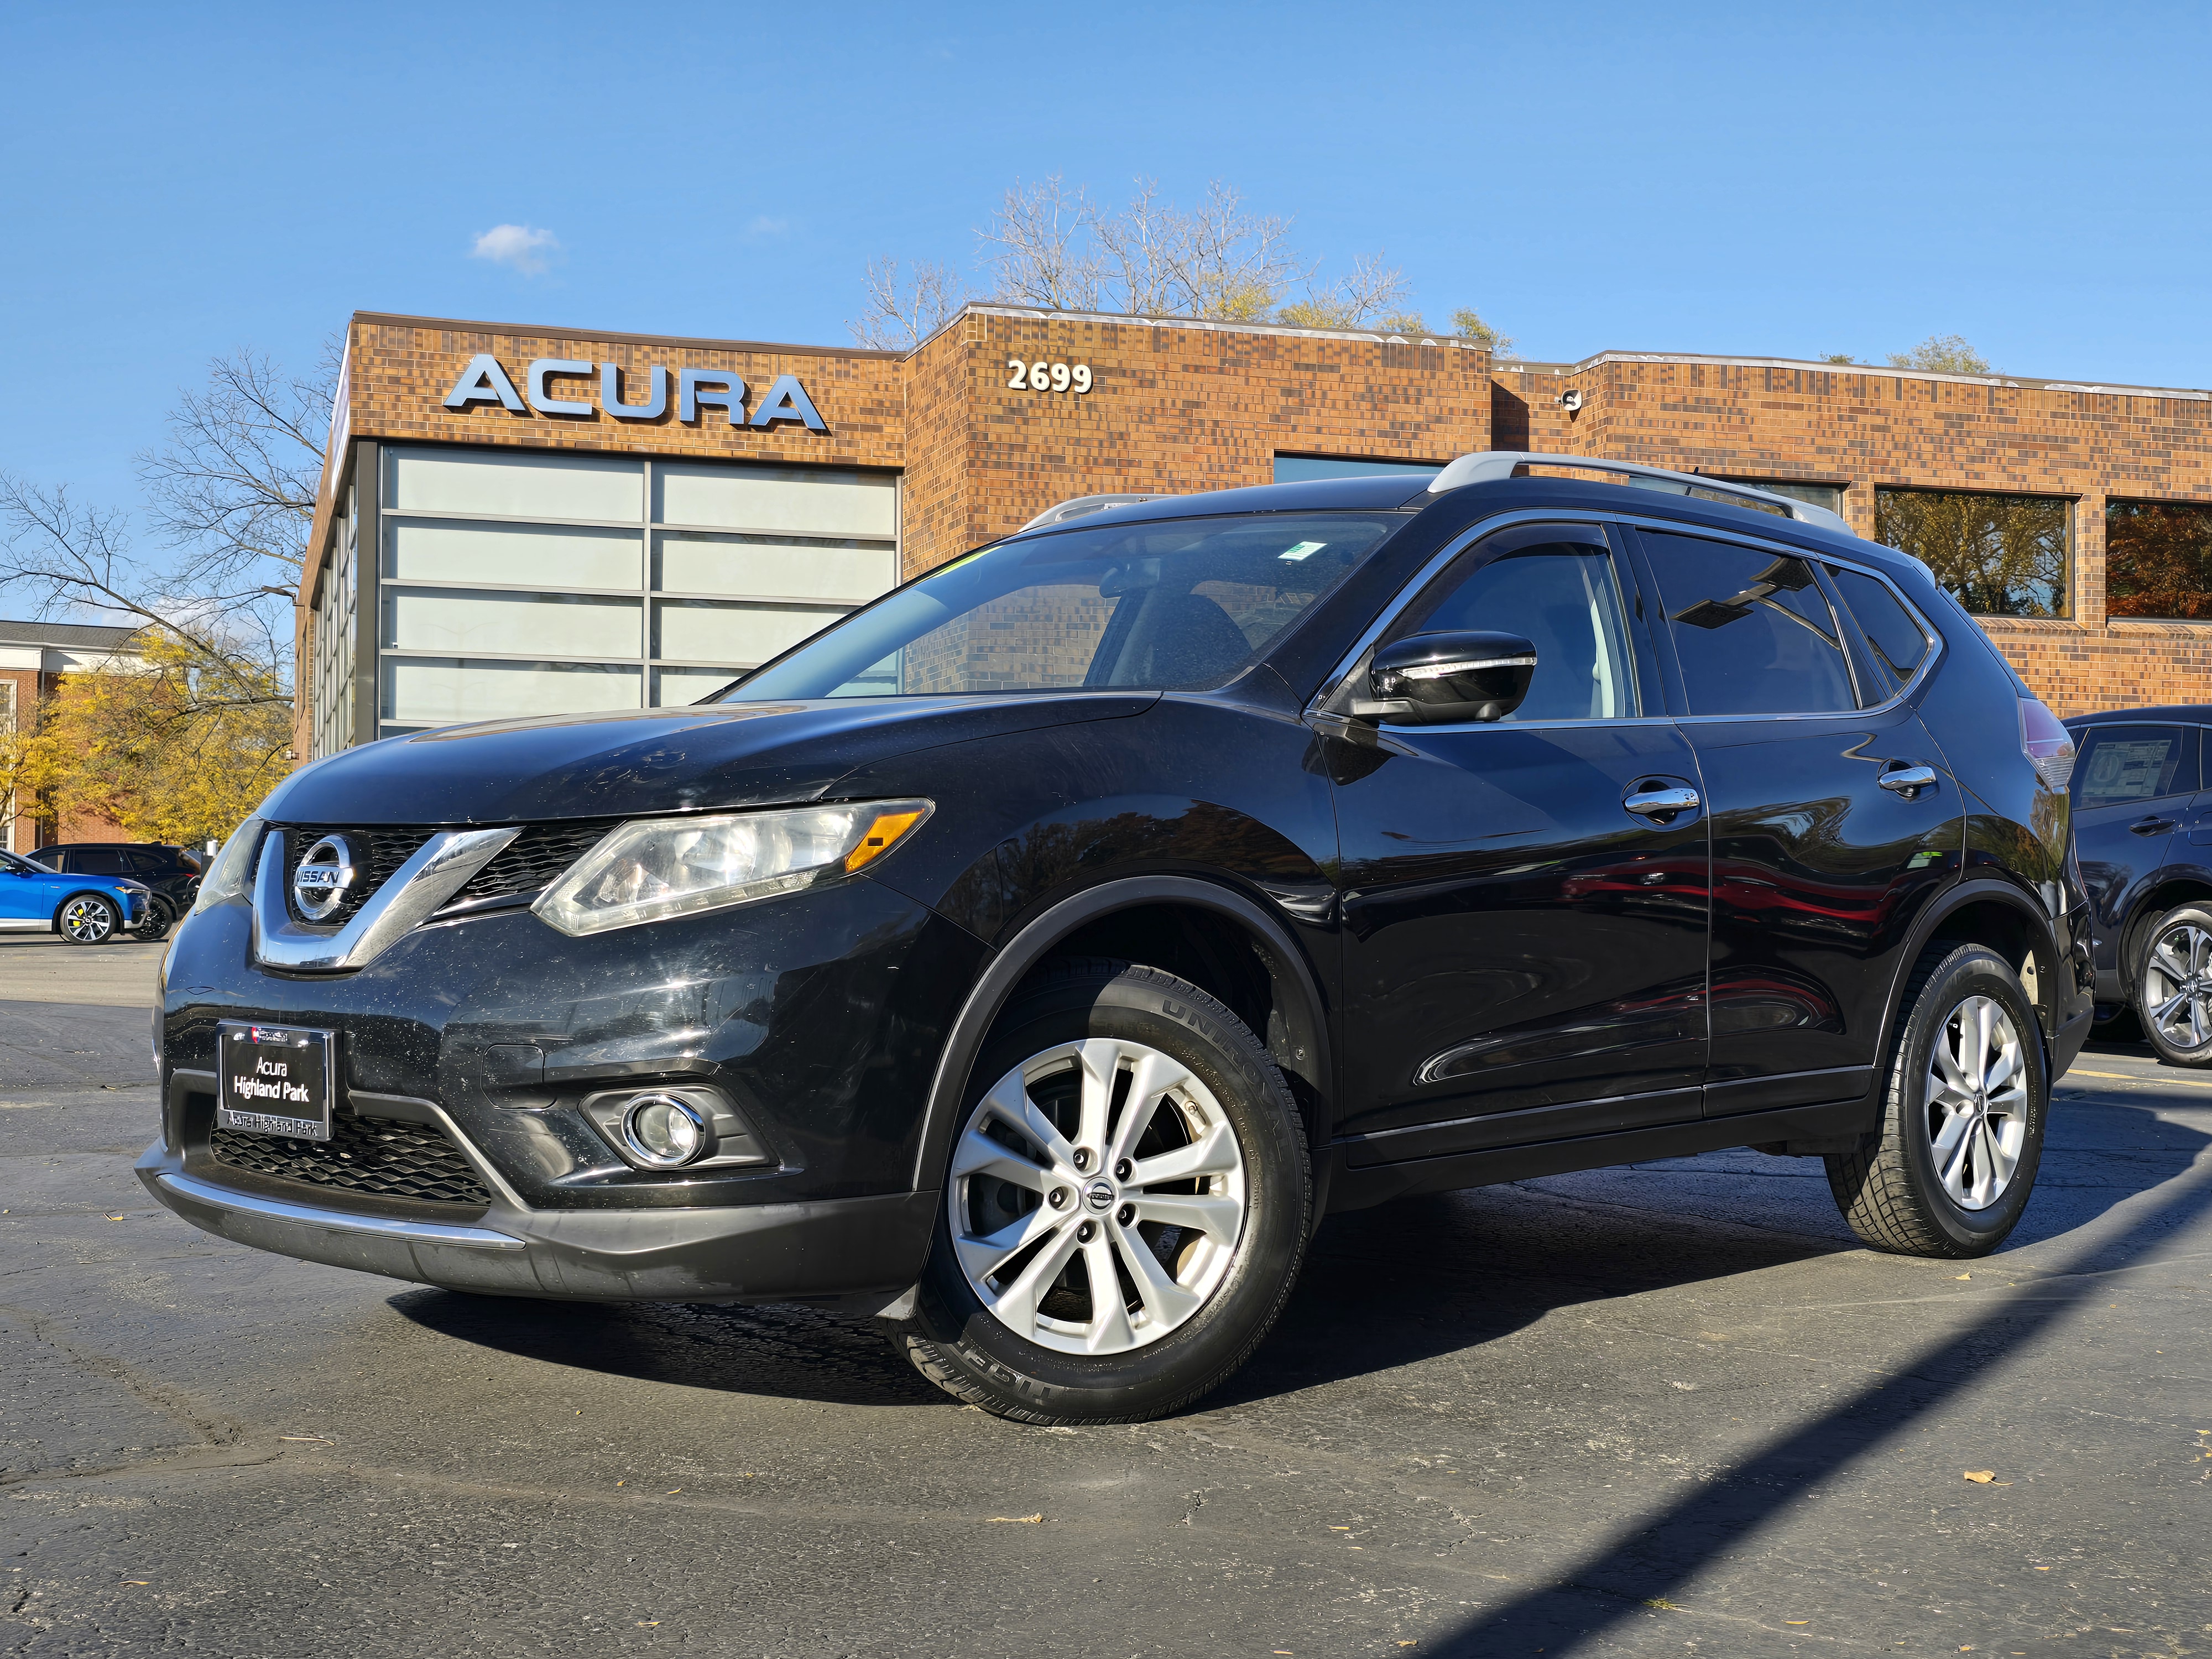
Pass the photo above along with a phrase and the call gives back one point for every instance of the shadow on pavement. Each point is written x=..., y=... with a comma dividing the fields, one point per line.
x=1392, y=1286
x=1661, y=1551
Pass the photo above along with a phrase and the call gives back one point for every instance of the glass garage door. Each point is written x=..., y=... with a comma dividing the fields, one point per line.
x=523, y=583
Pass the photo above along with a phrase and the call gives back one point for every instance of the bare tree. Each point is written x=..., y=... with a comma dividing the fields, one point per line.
x=1039, y=248
x=898, y=315
x=76, y=560
x=1370, y=293
x=1145, y=240
x=1230, y=264
x=233, y=488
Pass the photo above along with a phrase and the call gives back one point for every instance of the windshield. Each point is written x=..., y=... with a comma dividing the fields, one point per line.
x=1161, y=604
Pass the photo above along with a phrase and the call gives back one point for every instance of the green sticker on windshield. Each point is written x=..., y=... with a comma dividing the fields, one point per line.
x=1304, y=550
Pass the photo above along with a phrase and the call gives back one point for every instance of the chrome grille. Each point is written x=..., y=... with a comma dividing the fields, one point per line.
x=378, y=852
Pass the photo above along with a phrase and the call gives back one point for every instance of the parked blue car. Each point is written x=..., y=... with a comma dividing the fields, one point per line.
x=82, y=909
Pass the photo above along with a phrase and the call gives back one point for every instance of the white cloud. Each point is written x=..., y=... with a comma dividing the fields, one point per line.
x=527, y=250
x=764, y=225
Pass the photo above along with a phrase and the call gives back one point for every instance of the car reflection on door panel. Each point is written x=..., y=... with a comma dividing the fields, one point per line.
x=1524, y=932
x=1831, y=824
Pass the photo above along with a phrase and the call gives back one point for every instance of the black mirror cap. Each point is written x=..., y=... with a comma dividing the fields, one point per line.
x=1463, y=676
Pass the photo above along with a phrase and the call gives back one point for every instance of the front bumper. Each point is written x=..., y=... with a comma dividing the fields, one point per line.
x=852, y=1249
x=816, y=1019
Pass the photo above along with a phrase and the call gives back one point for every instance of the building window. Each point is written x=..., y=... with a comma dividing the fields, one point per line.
x=2001, y=555
x=1304, y=469
x=1815, y=495
x=2158, y=560
x=514, y=582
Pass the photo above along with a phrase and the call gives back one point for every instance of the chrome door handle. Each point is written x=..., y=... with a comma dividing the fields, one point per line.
x=1656, y=803
x=2152, y=826
x=1908, y=781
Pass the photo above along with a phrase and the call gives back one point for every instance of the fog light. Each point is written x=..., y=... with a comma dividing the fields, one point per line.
x=664, y=1131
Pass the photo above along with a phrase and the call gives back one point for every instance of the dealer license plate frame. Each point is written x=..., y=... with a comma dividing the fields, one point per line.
x=257, y=1041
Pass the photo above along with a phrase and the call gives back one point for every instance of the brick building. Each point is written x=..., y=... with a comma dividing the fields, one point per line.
x=34, y=657
x=519, y=520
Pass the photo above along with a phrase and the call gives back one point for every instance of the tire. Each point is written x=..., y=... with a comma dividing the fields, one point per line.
x=88, y=919
x=160, y=918
x=1913, y=1189
x=2173, y=986
x=1006, y=1320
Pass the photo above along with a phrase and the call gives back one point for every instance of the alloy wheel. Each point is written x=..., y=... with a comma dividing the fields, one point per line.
x=2177, y=986
x=1098, y=1197
x=86, y=921
x=1978, y=1102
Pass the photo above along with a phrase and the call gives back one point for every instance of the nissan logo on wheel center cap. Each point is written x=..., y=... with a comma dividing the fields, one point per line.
x=324, y=876
x=1099, y=1195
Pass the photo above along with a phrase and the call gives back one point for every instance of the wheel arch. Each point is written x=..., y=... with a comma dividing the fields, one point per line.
x=54, y=921
x=1991, y=913
x=1228, y=937
x=2172, y=888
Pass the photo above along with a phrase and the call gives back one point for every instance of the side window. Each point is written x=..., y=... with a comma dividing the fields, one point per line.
x=149, y=864
x=1554, y=586
x=2122, y=764
x=1753, y=631
x=1895, y=640
x=99, y=864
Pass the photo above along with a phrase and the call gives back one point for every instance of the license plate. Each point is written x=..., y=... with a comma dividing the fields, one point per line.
x=276, y=1080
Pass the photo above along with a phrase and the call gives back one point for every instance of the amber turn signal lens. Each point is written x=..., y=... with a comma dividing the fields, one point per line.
x=882, y=835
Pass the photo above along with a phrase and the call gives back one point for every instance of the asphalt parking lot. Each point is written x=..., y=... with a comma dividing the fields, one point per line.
x=1667, y=1409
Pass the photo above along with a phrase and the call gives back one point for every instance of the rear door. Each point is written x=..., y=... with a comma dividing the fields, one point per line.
x=1824, y=848
x=2132, y=787
x=1524, y=932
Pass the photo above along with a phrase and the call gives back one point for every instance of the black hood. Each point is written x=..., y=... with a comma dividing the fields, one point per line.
x=660, y=760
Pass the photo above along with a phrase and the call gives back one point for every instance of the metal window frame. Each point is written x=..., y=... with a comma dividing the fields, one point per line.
x=644, y=529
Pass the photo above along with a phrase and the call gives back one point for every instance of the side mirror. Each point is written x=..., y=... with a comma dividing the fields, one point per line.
x=1449, y=678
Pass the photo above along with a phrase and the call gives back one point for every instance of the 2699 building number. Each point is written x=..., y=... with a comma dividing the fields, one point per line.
x=1047, y=377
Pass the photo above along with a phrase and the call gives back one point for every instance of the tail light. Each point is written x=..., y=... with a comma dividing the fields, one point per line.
x=2048, y=745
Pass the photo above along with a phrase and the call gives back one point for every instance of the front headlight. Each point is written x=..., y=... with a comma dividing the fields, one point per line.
x=658, y=867
x=233, y=870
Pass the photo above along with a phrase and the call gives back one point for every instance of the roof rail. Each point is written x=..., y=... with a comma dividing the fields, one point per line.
x=1076, y=505
x=1489, y=467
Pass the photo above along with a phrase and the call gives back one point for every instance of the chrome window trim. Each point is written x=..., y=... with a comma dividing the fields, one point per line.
x=1437, y=566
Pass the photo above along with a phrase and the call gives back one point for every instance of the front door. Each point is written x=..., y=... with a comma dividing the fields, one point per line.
x=1524, y=924
x=2132, y=789
x=1833, y=819
x=24, y=903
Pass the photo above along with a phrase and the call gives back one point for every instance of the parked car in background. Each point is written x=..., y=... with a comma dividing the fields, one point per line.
x=83, y=909
x=2142, y=826
x=1033, y=956
x=171, y=873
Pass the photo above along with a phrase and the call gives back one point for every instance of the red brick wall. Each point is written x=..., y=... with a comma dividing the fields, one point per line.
x=1183, y=407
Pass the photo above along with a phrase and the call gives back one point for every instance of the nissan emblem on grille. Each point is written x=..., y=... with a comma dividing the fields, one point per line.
x=326, y=875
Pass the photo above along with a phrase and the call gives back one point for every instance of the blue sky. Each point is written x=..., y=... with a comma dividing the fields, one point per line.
x=179, y=182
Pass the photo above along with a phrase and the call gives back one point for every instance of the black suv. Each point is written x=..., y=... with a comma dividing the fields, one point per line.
x=2142, y=823
x=174, y=873
x=1032, y=958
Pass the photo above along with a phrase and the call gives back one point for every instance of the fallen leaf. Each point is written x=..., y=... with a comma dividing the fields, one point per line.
x=309, y=1439
x=1028, y=1520
x=1796, y=1621
x=2043, y=1570
x=137, y=1581
x=672, y=1492
x=647, y=1624
x=1981, y=1477
x=1662, y=1604
x=1965, y=1275
x=1340, y=1529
